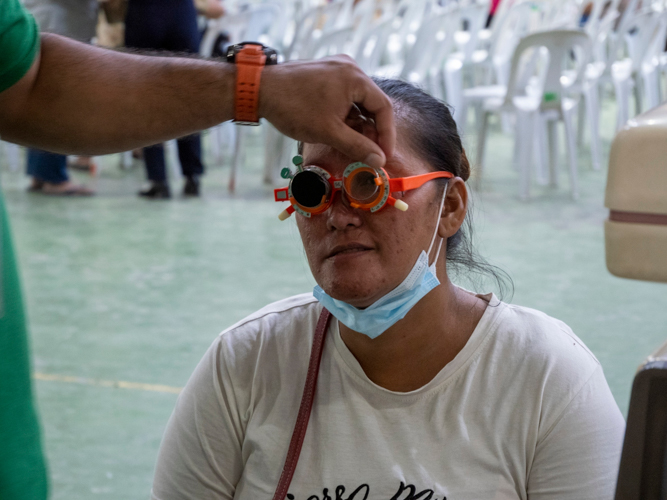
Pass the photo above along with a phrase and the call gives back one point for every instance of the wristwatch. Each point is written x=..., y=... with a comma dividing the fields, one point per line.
x=250, y=58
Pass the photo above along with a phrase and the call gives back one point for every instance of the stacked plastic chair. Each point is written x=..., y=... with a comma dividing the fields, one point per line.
x=538, y=106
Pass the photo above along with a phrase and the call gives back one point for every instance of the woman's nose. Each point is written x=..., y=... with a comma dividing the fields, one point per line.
x=341, y=215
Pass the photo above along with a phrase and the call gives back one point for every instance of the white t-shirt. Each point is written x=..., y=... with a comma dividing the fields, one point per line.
x=522, y=412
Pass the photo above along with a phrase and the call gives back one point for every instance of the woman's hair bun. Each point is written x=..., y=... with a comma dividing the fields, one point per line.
x=465, y=166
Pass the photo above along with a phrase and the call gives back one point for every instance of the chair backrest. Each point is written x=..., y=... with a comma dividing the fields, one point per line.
x=643, y=37
x=314, y=22
x=513, y=24
x=560, y=44
x=366, y=15
x=371, y=47
x=334, y=42
x=423, y=53
x=251, y=24
x=601, y=37
x=262, y=18
x=283, y=27
x=626, y=14
x=474, y=17
x=234, y=24
x=444, y=38
x=408, y=16
x=599, y=9
x=656, y=45
x=344, y=17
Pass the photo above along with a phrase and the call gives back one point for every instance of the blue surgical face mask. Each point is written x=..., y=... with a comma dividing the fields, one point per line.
x=386, y=311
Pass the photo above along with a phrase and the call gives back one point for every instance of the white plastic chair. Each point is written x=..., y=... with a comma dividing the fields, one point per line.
x=505, y=35
x=639, y=71
x=366, y=16
x=372, y=46
x=331, y=43
x=419, y=59
x=314, y=23
x=252, y=24
x=469, y=54
x=599, y=27
x=540, y=105
x=408, y=16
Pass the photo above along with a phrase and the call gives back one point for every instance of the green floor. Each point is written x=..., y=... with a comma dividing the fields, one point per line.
x=121, y=289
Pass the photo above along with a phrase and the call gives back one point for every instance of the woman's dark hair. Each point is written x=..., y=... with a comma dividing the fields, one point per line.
x=433, y=136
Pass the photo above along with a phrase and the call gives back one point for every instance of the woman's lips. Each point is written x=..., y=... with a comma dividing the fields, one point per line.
x=348, y=249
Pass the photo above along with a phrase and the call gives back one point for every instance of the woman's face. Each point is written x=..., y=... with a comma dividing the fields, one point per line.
x=357, y=256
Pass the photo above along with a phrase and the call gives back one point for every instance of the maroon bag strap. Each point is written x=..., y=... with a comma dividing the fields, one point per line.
x=306, y=406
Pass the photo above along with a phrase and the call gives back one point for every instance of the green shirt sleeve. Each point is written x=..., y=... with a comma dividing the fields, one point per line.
x=19, y=41
x=22, y=466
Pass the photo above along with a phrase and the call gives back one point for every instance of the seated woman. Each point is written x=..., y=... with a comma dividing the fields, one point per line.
x=425, y=390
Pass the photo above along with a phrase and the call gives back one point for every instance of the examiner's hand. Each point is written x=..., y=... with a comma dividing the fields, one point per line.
x=309, y=101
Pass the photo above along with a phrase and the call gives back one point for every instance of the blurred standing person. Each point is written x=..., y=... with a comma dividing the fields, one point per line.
x=74, y=19
x=167, y=25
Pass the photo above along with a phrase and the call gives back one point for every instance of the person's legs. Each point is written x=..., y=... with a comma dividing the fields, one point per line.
x=49, y=174
x=183, y=36
x=189, y=155
x=47, y=167
x=156, y=172
x=146, y=27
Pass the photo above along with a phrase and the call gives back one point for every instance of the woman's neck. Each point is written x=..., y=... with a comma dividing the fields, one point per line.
x=411, y=353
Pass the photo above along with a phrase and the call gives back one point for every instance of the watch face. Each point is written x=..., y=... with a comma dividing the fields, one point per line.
x=271, y=54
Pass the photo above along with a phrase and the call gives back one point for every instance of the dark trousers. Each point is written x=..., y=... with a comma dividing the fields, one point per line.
x=47, y=167
x=169, y=25
x=189, y=155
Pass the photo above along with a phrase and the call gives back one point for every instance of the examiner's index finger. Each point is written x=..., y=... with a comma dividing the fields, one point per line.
x=377, y=102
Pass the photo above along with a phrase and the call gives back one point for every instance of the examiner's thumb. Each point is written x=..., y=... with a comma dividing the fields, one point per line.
x=359, y=147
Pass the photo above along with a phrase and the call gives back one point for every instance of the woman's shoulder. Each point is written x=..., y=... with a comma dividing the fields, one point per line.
x=543, y=349
x=274, y=330
x=543, y=335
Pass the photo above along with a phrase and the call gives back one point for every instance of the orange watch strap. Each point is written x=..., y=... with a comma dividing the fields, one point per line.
x=249, y=64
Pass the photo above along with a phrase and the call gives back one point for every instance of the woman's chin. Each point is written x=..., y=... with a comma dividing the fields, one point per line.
x=355, y=293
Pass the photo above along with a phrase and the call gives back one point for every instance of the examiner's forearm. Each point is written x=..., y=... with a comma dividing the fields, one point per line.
x=85, y=99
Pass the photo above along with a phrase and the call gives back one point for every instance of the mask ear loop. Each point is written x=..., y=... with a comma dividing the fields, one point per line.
x=435, y=233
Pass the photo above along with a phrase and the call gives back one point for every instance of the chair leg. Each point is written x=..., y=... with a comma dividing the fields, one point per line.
x=12, y=153
x=272, y=153
x=622, y=92
x=126, y=160
x=239, y=150
x=553, y=152
x=581, y=123
x=171, y=157
x=214, y=141
x=454, y=86
x=593, y=112
x=568, y=121
x=523, y=141
x=462, y=122
x=434, y=84
x=651, y=80
x=541, y=143
x=481, y=143
x=638, y=97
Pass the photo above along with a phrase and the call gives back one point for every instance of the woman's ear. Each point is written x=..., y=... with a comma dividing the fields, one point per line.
x=454, y=209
